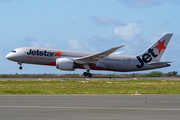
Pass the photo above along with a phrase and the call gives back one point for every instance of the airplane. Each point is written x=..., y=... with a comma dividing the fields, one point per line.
x=69, y=60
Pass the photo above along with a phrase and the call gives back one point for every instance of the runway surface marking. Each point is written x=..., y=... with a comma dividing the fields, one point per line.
x=52, y=107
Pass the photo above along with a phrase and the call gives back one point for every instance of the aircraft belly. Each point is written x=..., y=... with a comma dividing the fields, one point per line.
x=128, y=67
x=117, y=66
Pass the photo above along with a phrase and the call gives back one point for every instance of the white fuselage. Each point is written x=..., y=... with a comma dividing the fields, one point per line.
x=47, y=56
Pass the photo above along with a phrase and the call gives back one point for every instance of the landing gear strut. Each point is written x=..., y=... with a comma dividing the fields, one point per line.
x=86, y=66
x=20, y=67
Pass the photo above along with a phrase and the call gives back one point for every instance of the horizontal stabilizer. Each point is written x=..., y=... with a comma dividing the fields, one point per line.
x=158, y=63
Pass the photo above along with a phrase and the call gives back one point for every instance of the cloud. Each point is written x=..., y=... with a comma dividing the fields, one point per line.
x=142, y=3
x=104, y=21
x=74, y=44
x=156, y=36
x=100, y=43
x=32, y=42
x=128, y=32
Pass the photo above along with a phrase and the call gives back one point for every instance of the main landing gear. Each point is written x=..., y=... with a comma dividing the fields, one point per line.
x=87, y=74
x=20, y=67
x=86, y=66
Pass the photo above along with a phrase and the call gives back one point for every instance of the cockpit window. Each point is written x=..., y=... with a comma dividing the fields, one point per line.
x=13, y=51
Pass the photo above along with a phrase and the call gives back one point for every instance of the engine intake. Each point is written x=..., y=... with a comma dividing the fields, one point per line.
x=65, y=64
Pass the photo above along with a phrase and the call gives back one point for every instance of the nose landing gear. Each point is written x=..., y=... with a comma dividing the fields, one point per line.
x=20, y=67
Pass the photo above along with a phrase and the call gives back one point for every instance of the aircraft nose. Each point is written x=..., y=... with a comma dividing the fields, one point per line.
x=11, y=56
x=8, y=56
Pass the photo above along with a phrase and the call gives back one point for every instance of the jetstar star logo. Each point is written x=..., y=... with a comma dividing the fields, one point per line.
x=57, y=54
x=160, y=46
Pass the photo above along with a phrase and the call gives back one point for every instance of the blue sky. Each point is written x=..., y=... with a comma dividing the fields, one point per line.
x=88, y=25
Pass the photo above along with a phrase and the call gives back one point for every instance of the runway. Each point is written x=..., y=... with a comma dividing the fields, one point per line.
x=97, y=78
x=88, y=107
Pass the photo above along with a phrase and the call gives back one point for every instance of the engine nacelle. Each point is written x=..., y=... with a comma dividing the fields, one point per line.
x=65, y=64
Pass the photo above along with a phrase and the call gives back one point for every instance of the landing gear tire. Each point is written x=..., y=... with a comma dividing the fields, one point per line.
x=87, y=74
x=20, y=68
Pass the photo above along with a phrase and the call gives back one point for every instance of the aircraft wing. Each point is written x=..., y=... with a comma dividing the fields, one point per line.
x=96, y=57
x=118, y=52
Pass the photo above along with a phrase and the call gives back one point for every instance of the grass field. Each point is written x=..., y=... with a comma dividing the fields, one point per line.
x=82, y=86
x=151, y=74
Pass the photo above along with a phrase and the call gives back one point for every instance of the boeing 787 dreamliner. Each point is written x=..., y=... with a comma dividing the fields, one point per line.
x=70, y=60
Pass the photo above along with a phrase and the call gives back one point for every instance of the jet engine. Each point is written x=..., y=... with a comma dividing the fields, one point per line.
x=65, y=64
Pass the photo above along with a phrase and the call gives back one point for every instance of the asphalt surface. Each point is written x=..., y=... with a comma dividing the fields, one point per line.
x=119, y=78
x=90, y=107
